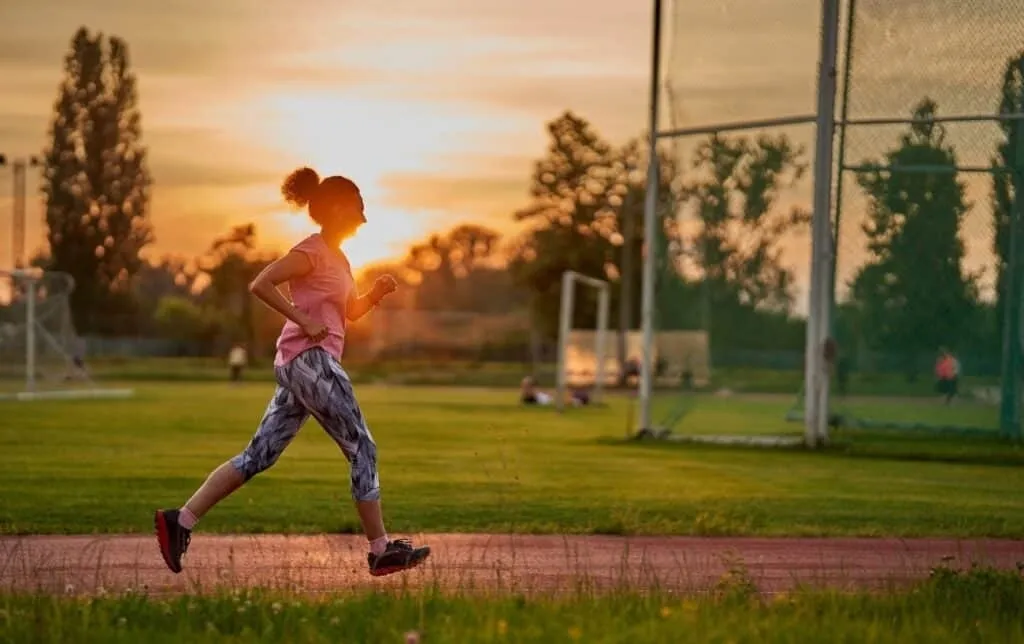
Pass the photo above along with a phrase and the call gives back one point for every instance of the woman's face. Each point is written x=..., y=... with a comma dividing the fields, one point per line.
x=348, y=215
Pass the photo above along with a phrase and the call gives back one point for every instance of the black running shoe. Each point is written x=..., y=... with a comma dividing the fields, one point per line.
x=398, y=556
x=173, y=538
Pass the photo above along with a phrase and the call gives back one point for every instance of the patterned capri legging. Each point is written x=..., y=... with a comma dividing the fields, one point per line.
x=314, y=384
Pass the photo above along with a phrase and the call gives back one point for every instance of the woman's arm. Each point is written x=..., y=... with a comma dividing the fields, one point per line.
x=264, y=287
x=359, y=305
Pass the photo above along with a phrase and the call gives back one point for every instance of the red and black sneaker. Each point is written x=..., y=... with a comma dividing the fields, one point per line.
x=398, y=556
x=173, y=538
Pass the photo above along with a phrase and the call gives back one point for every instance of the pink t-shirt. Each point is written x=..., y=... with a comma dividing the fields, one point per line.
x=323, y=295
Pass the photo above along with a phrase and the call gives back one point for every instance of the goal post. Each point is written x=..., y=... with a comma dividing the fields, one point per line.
x=39, y=347
x=565, y=331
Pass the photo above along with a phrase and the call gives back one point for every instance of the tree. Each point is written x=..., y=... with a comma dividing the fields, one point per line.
x=461, y=270
x=734, y=196
x=1003, y=193
x=913, y=295
x=581, y=190
x=739, y=283
x=96, y=181
x=231, y=263
x=182, y=320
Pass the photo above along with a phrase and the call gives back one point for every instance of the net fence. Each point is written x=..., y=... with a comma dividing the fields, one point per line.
x=57, y=345
x=921, y=252
x=919, y=275
x=734, y=257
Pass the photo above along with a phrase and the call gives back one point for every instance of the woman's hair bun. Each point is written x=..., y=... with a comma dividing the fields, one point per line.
x=299, y=186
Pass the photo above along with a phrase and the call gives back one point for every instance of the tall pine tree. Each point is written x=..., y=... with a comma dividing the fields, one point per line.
x=97, y=183
x=913, y=296
x=1003, y=197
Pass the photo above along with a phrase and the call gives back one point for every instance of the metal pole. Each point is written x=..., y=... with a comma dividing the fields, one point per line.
x=603, y=304
x=30, y=334
x=650, y=227
x=626, y=279
x=738, y=126
x=1009, y=412
x=844, y=111
x=816, y=375
x=564, y=328
x=961, y=118
x=18, y=214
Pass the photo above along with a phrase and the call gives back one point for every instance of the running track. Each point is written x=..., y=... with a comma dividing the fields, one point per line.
x=522, y=563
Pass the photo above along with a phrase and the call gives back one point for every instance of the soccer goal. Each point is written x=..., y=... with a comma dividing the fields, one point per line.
x=41, y=355
x=582, y=352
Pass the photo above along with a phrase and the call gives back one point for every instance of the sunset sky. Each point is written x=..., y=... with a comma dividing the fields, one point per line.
x=436, y=107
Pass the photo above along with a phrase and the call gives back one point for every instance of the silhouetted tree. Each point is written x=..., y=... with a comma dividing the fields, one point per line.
x=580, y=191
x=1003, y=193
x=96, y=182
x=914, y=295
x=231, y=263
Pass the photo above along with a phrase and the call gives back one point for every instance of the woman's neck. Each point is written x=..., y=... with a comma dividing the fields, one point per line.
x=332, y=238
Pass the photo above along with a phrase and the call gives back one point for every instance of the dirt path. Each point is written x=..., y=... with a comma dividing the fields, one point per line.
x=90, y=564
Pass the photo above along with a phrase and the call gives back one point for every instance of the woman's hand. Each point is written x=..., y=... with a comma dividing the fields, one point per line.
x=315, y=330
x=383, y=286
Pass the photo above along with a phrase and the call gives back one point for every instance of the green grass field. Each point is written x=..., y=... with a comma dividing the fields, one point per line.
x=981, y=606
x=473, y=460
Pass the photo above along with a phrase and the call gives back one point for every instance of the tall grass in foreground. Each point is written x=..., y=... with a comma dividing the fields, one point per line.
x=982, y=605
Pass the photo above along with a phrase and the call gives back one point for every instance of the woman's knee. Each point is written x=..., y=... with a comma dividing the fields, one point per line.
x=365, y=480
x=250, y=463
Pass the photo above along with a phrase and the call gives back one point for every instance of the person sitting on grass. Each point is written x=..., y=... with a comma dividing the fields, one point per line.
x=529, y=394
x=310, y=378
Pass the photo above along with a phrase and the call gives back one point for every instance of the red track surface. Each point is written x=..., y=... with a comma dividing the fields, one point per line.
x=90, y=564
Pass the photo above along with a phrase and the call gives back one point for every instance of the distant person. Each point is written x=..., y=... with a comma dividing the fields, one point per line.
x=631, y=372
x=238, y=358
x=947, y=374
x=78, y=370
x=529, y=394
x=310, y=378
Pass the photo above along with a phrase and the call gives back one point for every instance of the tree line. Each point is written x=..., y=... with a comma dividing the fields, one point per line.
x=584, y=211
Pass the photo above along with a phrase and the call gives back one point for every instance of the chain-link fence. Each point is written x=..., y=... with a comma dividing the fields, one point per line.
x=922, y=221
x=923, y=208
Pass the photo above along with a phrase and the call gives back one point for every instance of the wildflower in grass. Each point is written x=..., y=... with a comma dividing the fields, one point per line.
x=412, y=637
x=335, y=621
x=122, y=621
x=69, y=588
x=241, y=609
x=666, y=612
x=575, y=632
x=502, y=627
x=690, y=606
x=276, y=607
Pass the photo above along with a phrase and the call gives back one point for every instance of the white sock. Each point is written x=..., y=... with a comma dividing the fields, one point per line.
x=186, y=518
x=379, y=545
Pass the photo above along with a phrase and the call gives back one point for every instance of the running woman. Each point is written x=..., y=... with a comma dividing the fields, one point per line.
x=310, y=378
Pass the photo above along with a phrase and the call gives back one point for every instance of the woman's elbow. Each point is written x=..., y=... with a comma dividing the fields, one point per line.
x=256, y=286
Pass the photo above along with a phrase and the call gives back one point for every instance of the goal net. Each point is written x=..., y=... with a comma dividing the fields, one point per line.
x=41, y=355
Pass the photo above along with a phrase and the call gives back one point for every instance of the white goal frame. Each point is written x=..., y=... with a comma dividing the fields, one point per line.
x=33, y=329
x=569, y=281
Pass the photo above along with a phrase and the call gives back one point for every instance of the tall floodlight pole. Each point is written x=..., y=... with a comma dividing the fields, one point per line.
x=19, y=170
x=650, y=228
x=816, y=373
